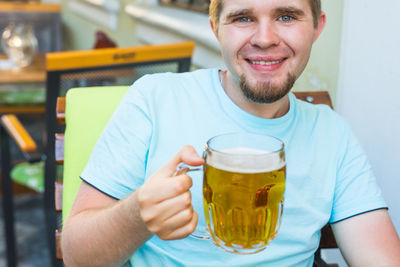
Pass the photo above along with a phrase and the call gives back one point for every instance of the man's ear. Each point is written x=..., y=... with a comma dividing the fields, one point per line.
x=321, y=25
x=214, y=29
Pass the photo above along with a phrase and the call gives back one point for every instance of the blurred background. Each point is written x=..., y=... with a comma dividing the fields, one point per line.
x=355, y=60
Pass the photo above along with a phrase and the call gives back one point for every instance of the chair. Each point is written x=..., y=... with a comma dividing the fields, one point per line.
x=95, y=105
x=109, y=66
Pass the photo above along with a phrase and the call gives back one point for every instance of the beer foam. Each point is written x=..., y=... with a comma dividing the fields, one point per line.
x=252, y=161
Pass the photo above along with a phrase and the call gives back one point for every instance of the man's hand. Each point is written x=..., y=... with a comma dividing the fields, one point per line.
x=165, y=201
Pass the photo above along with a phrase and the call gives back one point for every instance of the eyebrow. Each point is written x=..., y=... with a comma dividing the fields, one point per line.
x=238, y=13
x=289, y=11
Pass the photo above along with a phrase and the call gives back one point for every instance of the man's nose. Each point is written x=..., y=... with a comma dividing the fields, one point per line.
x=265, y=35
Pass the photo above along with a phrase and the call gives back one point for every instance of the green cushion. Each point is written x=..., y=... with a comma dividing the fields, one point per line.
x=86, y=113
x=32, y=96
x=30, y=175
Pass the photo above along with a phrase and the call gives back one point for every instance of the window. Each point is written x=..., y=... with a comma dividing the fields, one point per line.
x=196, y=5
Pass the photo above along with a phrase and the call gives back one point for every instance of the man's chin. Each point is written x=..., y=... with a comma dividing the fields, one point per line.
x=266, y=92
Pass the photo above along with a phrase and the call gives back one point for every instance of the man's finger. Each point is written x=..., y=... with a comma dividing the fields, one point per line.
x=183, y=231
x=162, y=190
x=172, y=206
x=187, y=155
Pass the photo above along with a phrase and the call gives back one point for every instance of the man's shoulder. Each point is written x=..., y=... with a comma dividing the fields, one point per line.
x=316, y=109
x=321, y=114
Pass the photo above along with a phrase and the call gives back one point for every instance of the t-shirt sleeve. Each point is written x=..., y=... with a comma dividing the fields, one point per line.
x=117, y=163
x=356, y=190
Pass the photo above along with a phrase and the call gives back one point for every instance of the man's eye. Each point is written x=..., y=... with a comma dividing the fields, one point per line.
x=286, y=18
x=243, y=19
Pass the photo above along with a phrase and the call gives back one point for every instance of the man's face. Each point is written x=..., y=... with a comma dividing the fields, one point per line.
x=266, y=44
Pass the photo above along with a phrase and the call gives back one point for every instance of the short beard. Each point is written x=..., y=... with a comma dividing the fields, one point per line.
x=266, y=93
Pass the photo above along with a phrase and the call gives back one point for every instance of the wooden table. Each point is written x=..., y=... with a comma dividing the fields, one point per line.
x=34, y=73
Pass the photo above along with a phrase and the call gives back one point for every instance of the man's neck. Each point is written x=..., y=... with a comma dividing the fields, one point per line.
x=268, y=111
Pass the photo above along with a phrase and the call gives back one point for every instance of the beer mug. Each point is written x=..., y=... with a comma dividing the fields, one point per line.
x=243, y=185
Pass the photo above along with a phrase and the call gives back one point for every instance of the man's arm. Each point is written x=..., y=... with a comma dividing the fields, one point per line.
x=102, y=231
x=368, y=239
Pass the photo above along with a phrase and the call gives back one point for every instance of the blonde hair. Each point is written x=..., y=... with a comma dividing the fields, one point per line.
x=216, y=8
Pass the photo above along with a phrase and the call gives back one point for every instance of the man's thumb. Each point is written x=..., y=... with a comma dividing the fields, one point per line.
x=187, y=155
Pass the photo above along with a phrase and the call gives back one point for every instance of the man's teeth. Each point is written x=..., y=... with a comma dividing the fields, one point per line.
x=266, y=63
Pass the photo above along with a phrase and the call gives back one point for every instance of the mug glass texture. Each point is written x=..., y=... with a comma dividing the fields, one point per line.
x=243, y=187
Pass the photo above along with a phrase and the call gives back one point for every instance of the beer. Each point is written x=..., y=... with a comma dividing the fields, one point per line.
x=243, y=198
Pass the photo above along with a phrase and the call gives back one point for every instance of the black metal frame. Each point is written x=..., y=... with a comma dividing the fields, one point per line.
x=8, y=204
x=53, y=83
x=318, y=261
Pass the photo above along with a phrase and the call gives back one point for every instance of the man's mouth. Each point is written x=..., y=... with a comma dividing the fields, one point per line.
x=266, y=63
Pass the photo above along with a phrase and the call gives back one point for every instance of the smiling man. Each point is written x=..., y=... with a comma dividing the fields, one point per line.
x=132, y=210
x=266, y=46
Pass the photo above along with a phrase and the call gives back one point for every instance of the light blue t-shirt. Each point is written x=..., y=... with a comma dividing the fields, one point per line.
x=328, y=176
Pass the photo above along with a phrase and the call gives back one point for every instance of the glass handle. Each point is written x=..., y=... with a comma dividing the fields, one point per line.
x=200, y=232
x=183, y=168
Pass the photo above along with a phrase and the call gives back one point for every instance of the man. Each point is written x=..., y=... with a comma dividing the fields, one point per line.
x=131, y=209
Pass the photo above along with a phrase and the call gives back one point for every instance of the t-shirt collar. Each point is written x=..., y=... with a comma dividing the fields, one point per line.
x=249, y=120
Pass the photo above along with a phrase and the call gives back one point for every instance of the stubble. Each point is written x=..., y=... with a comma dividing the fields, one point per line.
x=266, y=92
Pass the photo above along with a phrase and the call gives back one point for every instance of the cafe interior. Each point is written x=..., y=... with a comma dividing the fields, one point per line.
x=50, y=46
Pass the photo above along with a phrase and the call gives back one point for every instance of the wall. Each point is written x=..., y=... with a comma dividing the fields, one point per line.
x=369, y=88
x=323, y=68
